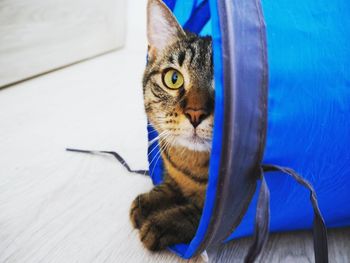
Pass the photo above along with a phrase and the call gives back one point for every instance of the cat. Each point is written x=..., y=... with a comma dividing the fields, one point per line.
x=178, y=89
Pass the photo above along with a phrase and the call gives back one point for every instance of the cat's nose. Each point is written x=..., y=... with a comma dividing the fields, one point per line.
x=195, y=116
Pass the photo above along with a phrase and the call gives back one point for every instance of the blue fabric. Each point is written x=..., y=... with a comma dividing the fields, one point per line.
x=308, y=112
x=199, y=17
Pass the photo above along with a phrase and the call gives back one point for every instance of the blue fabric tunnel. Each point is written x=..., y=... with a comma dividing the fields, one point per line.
x=282, y=97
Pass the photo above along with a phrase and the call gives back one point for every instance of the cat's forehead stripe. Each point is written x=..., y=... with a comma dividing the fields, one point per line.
x=192, y=53
x=181, y=57
x=171, y=59
x=200, y=52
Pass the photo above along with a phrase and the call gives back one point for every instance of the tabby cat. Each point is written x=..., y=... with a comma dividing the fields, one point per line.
x=178, y=93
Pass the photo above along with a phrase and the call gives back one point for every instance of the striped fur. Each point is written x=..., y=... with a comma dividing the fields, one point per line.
x=170, y=213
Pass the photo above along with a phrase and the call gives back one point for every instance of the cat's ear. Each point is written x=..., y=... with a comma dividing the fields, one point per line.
x=162, y=27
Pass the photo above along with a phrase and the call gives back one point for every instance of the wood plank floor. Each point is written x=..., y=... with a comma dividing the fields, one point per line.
x=288, y=248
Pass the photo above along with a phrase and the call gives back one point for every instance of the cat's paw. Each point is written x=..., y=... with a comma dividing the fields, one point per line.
x=153, y=236
x=137, y=212
x=168, y=227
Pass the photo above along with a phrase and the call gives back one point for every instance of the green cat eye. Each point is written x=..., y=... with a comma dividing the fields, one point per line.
x=173, y=79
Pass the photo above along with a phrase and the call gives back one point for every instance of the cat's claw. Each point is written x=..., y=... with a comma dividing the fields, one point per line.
x=149, y=235
x=137, y=215
x=164, y=229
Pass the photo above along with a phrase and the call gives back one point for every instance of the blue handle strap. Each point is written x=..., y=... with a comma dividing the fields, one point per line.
x=262, y=218
x=262, y=222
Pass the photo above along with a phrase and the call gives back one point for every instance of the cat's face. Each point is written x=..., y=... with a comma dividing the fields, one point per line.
x=178, y=82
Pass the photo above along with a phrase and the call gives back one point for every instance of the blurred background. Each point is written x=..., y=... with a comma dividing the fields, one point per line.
x=40, y=36
x=71, y=70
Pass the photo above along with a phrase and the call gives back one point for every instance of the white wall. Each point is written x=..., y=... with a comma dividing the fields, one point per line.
x=37, y=36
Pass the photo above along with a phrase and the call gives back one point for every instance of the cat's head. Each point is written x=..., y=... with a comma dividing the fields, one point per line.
x=178, y=81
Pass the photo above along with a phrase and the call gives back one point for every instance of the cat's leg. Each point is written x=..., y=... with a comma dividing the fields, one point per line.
x=160, y=197
x=177, y=224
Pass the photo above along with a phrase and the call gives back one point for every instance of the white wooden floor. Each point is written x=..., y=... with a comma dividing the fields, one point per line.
x=65, y=207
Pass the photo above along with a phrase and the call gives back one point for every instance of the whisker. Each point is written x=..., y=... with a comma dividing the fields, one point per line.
x=154, y=158
x=154, y=130
x=155, y=164
x=155, y=140
x=160, y=154
x=161, y=139
x=161, y=148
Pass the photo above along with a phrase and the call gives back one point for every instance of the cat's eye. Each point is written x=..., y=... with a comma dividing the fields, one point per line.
x=173, y=79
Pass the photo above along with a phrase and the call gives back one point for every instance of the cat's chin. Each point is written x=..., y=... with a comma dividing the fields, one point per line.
x=194, y=143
